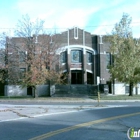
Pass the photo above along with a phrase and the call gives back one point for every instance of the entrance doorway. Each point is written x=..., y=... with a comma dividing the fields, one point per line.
x=89, y=78
x=29, y=91
x=76, y=77
x=110, y=86
x=2, y=89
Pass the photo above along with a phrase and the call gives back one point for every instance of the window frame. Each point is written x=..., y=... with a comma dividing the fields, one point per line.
x=22, y=73
x=108, y=60
x=87, y=57
x=78, y=57
x=22, y=56
x=63, y=57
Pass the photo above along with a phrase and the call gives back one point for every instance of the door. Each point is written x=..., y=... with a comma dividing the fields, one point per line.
x=29, y=91
x=76, y=77
x=89, y=78
x=2, y=89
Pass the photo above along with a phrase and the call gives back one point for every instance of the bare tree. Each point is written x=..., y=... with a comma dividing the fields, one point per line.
x=35, y=51
x=2, y=57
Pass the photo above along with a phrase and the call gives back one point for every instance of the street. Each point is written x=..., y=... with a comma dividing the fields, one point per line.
x=94, y=124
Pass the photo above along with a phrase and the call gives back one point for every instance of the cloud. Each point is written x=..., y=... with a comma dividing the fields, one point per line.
x=29, y=6
x=61, y=13
x=66, y=14
x=110, y=15
x=103, y=29
x=75, y=17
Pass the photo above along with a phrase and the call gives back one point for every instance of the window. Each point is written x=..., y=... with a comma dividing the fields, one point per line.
x=89, y=57
x=22, y=56
x=76, y=33
x=22, y=72
x=76, y=56
x=63, y=57
x=108, y=59
x=101, y=39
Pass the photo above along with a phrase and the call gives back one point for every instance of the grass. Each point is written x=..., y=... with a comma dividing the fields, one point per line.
x=117, y=97
x=15, y=97
x=102, y=97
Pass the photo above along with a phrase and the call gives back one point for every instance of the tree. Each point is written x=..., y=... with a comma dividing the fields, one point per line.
x=126, y=54
x=3, y=67
x=39, y=53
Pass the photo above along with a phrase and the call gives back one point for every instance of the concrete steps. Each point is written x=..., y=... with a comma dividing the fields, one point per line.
x=75, y=90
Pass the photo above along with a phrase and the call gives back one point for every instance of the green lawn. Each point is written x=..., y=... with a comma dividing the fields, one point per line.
x=102, y=97
x=117, y=97
x=15, y=97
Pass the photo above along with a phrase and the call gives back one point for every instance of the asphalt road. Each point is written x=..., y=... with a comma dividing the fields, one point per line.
x=94, y=124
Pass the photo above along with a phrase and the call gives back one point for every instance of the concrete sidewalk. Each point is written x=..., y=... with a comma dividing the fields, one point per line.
x=15, y=112
x=10, y=111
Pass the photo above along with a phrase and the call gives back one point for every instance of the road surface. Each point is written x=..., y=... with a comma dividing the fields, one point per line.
x=94, y=124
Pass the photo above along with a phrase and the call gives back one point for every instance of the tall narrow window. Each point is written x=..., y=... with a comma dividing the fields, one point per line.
x=108, y=59
x=63, y=57
x=76, y=33
x=22, y=73
x=22, y=56
x=89, y=57
x=76, y=56
x=101, y=39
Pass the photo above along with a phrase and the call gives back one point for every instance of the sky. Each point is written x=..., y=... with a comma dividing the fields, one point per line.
x=95, y=16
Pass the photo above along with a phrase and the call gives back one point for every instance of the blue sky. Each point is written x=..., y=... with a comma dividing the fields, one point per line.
x=95, y=16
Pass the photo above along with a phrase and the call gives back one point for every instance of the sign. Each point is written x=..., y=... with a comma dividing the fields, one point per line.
x=98, y=80
x=131, y=133
x=76, y=66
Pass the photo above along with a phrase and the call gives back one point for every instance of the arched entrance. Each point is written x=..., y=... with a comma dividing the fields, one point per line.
x=76, y=77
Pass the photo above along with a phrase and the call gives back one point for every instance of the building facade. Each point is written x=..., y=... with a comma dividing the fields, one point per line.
x=82, y=56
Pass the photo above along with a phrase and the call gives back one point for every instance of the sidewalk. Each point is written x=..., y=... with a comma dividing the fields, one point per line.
x=10, y=112
x=15, y=112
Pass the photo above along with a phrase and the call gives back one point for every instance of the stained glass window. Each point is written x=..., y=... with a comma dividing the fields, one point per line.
x=63, y=57
x=22, y=56
x=22, y=72
x=89, y=57
x=108, y=59
x=76, y=56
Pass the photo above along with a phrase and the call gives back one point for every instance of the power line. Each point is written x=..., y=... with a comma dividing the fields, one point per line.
x=89, y=26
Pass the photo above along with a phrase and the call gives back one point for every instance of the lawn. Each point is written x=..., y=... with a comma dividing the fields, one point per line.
x=102, y=97
x=117, y=97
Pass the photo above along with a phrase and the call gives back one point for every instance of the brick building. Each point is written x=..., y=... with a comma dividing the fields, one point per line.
x=82, y=55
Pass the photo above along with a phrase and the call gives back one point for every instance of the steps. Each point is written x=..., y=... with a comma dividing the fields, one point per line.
x=75, y=90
